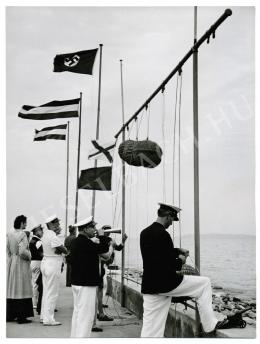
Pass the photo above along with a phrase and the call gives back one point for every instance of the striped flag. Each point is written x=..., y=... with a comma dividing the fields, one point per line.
x=102, y=151
x=51, y=110
x=56, y=133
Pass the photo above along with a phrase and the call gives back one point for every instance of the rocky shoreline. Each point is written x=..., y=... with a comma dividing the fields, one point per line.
x=226, y=302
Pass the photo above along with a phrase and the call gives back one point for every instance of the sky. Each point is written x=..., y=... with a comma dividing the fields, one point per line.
x=150, y=41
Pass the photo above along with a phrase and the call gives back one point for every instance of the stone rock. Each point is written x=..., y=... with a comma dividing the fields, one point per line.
x=249, y=321
x=236, y=299
x=251, y=315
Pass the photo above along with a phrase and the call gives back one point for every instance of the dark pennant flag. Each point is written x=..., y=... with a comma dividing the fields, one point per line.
x=57, y=132
x=96, y=178
x=54, y=109
x=79, y=62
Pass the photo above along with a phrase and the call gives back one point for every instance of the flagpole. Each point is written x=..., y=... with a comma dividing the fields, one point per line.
x=123, y=193
x=196, y=147
x=97, y=128
x=196, y=158
x=67, y=180
x=77, y=178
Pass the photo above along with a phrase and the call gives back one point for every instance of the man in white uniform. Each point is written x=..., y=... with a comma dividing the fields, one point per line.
x=160, y=282
x=85, y=275
x=51, y=270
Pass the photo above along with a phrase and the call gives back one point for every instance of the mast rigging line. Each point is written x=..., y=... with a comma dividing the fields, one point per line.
x=205, y=37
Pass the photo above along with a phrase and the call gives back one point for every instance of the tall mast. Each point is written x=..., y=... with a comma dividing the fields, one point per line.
x=98, y=119
x=196, y=148
x=77, y=179
x=196, y=158
x=123, y=191
x=67, y=179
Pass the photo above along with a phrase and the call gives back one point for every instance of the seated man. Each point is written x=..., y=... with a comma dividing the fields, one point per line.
x=160, y=282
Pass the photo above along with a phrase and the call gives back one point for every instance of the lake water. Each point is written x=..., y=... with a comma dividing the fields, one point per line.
x=229, y=260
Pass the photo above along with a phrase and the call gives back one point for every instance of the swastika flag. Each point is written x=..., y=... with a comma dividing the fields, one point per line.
x=79, y=62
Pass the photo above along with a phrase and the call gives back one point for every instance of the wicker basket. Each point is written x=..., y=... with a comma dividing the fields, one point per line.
x=144, y=153
x=187, y=270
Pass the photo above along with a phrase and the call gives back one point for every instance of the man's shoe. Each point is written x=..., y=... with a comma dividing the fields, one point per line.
x=219, y=326
x=104, y=317
x=54, y=323
x=23, y=321
x=96, y=329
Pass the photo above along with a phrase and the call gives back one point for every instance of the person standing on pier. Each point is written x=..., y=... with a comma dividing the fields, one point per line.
x=19, y=305
x=160, y=282
x=36, y=250
x=117, y=247
x=51, y=270
x=67, y=244
x=85, y=275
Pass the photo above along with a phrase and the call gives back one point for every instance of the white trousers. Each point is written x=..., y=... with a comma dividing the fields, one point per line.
x=84, y=299
x=156, y=306
x=36, y=270
x=51, y=272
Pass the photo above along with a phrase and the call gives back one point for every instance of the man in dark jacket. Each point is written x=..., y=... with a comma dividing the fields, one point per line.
x=160, y=282
x=36, y=249
x=85, y=275
x=67, y=244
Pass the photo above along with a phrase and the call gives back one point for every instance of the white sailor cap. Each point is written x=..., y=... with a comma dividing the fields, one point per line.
x=169, y=207
x=36, y=227
x=52, y=218
x=172, y=209
x=87, y=221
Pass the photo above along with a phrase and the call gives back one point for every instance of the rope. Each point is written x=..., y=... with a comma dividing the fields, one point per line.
x=136, y=128
x=174, y=141
x=117, y=192
x=180, y=90
x=136, y=210
x=163, y=136
x=147, y=201
x=129, y=131
x=130, y=207
x=148, y=120
x=142, y=116
x=113, y=164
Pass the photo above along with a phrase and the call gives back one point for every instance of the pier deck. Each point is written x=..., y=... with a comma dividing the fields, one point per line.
x=125, y=324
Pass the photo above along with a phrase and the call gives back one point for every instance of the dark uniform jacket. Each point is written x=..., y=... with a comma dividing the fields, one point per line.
x=85, y=261
x=67, y=243
x=37, y=253
x=160, y=260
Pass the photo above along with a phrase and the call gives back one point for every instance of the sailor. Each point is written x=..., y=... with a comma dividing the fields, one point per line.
x=51, y=269
x=160, y=282
x=85, y=275
x=36, y=249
